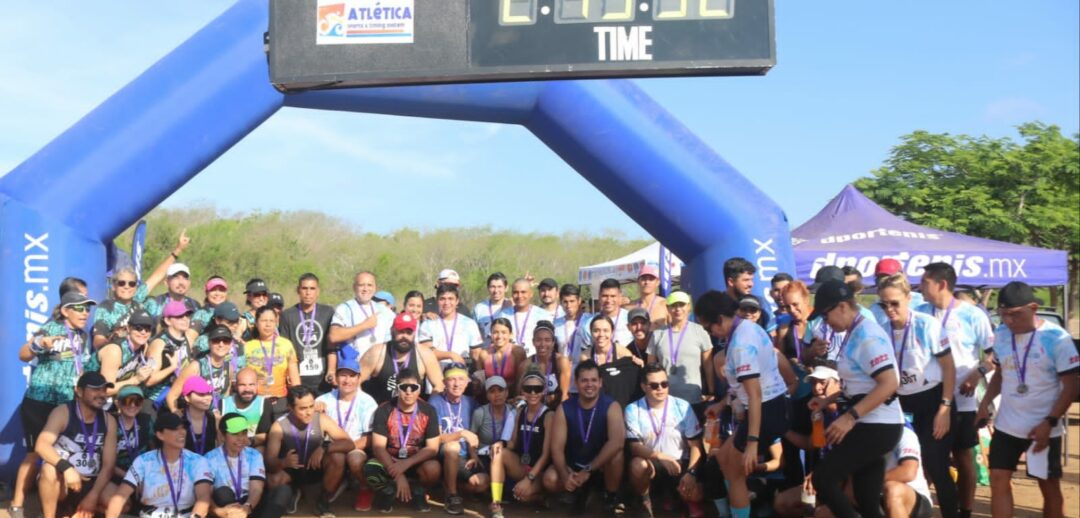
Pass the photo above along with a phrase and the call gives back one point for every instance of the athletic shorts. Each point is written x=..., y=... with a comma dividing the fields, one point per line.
x=304, y=477
x=964, y=432
x=663, y=478
x=923, y=508
x=1005, y=452
x=774, y=423
x=34, y=414
x=70, y=504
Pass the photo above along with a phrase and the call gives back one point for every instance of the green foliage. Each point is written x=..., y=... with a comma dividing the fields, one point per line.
x=280, y=246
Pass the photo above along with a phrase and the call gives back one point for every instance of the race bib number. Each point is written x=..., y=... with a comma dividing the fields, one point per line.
x=312, y=363
x=86, y=465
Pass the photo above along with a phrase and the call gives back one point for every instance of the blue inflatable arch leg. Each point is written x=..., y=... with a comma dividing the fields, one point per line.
x=164, y=127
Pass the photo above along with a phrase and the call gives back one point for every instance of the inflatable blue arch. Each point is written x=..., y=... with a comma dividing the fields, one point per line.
x=155, y=134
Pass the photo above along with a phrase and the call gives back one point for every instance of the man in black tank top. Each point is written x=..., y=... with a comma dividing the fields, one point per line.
x=381, y=364
x=297, y=454
x=76, y=446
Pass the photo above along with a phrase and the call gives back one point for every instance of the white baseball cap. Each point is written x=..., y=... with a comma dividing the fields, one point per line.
x=449, y=276
x=823, y=373
x=176, y=268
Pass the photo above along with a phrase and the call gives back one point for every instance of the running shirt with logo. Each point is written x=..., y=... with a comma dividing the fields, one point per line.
x=867, y=353
x=623, y=336
x=310, y=335
x=1052, y=354
x=202, y=317
x=908, y=448
x=485, y=313
x=921, y=346
x=220, y=378
x=687, y=347
x=917, y=301
x=155, y=305
x=822, y=331
x=535, y=433
x=454, y=417
x=391, y=423
x=259, y=414
x=148, y=476
x=134, y=441
x=459, y=334
x=351, y=313
x=569, y=335
x=352, y=416
x=79, y=439
x=112, y=313
x=488, y=429
x=276, y=354
x=224, y=469
x=676, y=423
x=53, y=378
x=750, y=354
x=621, y=379
x=969, y=333
x=523, y=324
x=130, y=361
x=179, y=346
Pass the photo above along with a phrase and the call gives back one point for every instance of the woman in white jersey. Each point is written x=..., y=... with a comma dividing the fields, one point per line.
x=872, y=423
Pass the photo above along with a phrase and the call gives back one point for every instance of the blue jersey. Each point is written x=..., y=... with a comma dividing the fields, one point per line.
x=750, y=354
x=867, y=353
x=243, y=468
x=917, y=346
x=148, y=476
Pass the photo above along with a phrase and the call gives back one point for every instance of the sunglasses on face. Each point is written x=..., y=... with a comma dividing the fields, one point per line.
x=409, y=387
x=132, y=401
x=126, y=284
x=533, y=389
x=653, y=385
x=891, y=304
x=141, y=328
x=81, y=308
x=221, y=341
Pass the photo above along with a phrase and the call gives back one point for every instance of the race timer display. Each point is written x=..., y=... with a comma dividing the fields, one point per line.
x=346, y=43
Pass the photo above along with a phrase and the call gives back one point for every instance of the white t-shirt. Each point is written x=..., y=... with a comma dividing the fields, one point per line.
x=485, y=312
x=908, y=448
x=459, y=335
x=249, y=463
x=866, y=353
x=968, y=333
x=522, y=325
x=351, y=313
x=665, y=434
x=622, y=337
x=917, y=346
x=750, y=354
x=569, y=333
x=355, y=416
x=1052, y=354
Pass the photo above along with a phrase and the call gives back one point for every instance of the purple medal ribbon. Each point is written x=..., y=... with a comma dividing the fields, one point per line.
x=585, y=432
x=496, y=430
x=847, y=336
x=615, y=328
x=455, y=421
x=131, y=439
x=296, y=439
x=521, y=326
x=572, y=338
x=491, y=315
x=502, y=365
x=76, y=352
x=90, y=438
x=174, y=490
x=944, y=321
x=1021, y=366
x=658, y=429
x=200, y=443
x=608, y=358
x=367, y=314
x=673, y=349
x=404, y=365
x=403, y=438
x=527, y=434
x=308, y=326
x=268, y=359
x=341, y=422
x=449, y=336
x=731, y=335
x=239, y=478
x=798, y=344
x=903, y=343
x=233, y=356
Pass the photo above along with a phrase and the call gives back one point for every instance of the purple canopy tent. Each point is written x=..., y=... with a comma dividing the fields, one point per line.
x=854, y=231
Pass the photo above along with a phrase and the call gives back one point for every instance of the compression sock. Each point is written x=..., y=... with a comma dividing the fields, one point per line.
x=722, y=507
x=496, y=491
x=740, y=512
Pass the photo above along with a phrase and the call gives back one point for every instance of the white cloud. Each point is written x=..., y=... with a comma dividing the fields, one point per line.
x=1013, y=109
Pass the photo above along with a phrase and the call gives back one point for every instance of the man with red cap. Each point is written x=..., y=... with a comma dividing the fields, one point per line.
x=380, y=365
x=649, y=284
x=886, y=267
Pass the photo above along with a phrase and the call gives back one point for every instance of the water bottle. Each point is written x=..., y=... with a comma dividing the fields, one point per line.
x=817, y=433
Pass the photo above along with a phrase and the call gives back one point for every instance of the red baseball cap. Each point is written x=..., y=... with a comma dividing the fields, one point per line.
x=888, y=266
x=404, y=321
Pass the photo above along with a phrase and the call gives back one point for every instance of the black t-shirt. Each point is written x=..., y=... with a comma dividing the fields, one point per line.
x=311, y=341
x=621, y=380
x=389, y=423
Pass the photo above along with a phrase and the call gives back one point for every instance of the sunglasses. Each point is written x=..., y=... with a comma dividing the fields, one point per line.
x=409, y=387
x=132, y=401
x=81, y=308
x=125, y=284
x=221, y=341
x=533, y=389
x=893, y=304
x=658, y=385
x=141, y=328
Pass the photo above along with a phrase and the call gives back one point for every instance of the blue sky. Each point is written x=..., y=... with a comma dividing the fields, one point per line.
x=851, y=78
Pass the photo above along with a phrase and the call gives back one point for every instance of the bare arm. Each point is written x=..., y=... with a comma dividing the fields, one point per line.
x=558, y=441
x=116, y=503
x=202, y=498
x=177, y=388
x=370, y=362
x=616, y=437
x=273, y=449
x=159, y=272
x=340, y=442
x=434, y=373
x=54, y=426
x=904, y=472
x=565, y=371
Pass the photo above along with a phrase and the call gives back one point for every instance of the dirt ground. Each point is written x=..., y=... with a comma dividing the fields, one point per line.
x=1026, y=492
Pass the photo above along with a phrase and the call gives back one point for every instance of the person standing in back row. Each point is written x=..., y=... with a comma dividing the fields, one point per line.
x=524, y=315
x=360, y=322
x=651, y=300
x=307, y=326
x=682, y=348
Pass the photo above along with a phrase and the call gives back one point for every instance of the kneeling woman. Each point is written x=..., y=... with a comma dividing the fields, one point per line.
x=529, y=451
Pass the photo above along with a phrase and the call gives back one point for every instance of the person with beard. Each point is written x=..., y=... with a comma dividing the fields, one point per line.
x=588, y=436
x=305, y=447
x=77, y=446
x=216, y=368
x=524, y=315
x=352, y=410
x=170, y=481
x=307, y=324
x=381, y=364
x=487, y=311
x=124, y=362
x=739, y=281
x=640, y=326
x=199, y=420
x=548, y=290
x=133, y=437
x=456, y=441
x=255, y=408
x=618, y=366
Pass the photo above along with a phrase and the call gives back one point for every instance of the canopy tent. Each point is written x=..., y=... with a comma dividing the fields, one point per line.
x=852, y=230
x=626, y=268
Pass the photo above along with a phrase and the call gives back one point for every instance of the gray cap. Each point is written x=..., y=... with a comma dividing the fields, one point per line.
x=637, y=313
x=494, y=381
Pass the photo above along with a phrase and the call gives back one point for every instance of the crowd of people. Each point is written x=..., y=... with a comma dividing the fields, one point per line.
x=804, y=403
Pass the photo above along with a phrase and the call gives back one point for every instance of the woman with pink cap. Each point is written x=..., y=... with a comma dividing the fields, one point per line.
x=171, y=350
x=200, y=421
x=217, y=291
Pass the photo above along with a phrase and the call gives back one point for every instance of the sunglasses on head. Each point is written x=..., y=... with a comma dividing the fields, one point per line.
x=654, y=385
x=532, y=389
x=891, y=304
x=81, y=308
x=409, y=387
x=141, y=328
x=125, y=284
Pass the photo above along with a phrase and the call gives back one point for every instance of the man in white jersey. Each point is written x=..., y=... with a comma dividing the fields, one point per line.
x=905, y=493
x=447, y=277
x=361, y=322
x=523, y=315
x=488, y=310
x=966, y=331
x=611, y=306
x=1037, y=377
x=451, y=336
x=352, y=410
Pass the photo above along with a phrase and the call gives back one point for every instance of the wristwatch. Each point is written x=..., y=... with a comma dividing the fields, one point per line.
x=587, y=468
x=1052, y=420
x=531, y=477
x=946, y=402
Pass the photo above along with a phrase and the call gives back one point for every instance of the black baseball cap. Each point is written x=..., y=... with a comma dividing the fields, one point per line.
x=218, y=332
x=830, y=294
x=749, y=301
x=1016, y=294
x=637, y=313
x=140, y=317
x=826, y=274
x=549, y=283
x=93, y=380
x=228, y=311
x=276, y=300
x=255, y=286
x=168, y=421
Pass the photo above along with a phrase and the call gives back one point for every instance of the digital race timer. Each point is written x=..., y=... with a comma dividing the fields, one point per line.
x=343, y=43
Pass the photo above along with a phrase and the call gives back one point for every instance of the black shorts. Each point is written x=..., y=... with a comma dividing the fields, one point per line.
x=304, y=477
x=663, y=478
x=70, y=503
x=34, y=414
x=964, y=432
x=923, y=508
x=774, y=422
x=1005, y=452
